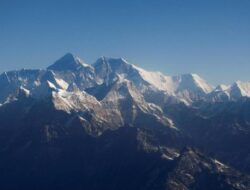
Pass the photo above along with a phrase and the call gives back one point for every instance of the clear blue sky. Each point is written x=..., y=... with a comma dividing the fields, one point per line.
x=208, y=37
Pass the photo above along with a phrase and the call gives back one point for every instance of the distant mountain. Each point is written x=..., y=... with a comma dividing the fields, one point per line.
x=68, y=62
x=113, y=125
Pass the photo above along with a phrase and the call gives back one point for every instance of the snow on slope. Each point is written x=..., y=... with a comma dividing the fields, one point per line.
x=158, y=80
x=232, y=92
x=175, y=83
x=192, y=83
x=221, y=87
x=202, y=83
x=68, y=62
x=70, y=72
x=154, y=80
x=244, y=88
x=125, y=98
x=75, y=101
x=172, y=84
x=62, y=83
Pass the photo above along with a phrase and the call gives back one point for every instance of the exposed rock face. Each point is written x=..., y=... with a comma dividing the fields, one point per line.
x=112, y=125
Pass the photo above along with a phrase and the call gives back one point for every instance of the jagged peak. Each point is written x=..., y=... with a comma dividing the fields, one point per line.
x=111, y=62
x=221, y=87
x=68, y=62
x=123, y=88
x=195, y=79
x=242, y=87
x=193, y=76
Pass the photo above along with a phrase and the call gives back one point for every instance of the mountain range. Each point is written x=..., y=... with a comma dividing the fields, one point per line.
x=113, y=125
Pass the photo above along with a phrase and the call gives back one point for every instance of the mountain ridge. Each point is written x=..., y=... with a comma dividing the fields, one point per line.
x=113, y=125
x=69, y=69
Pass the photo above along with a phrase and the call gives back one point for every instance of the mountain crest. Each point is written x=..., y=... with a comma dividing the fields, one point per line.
x=240, y=88
x=72, y=74
x=68, y=62
x=195, y=82
x=118, y=65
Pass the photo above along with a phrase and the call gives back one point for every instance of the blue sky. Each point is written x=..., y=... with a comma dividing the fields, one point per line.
x=208, y=37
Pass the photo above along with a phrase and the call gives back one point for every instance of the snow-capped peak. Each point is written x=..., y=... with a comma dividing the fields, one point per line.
x=118, y=65
x=71, y=74
x=221, y=87
x=68, y=62
x=242, y=87
x=193, y=81
x=202, y=83
x=184, y=86
x=157, y=79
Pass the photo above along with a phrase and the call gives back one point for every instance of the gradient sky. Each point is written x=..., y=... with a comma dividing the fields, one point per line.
x=208, y=37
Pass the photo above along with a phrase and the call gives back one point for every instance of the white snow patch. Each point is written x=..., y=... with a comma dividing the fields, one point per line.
x=51, y=85
x=202, y=83
x=27, y=92
x=164, y=156
x=244, y=88
x=172, y=125
x=220, y=166
x=81, y=61
x=221, y=87
x=157, y=79
x=64, y=85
